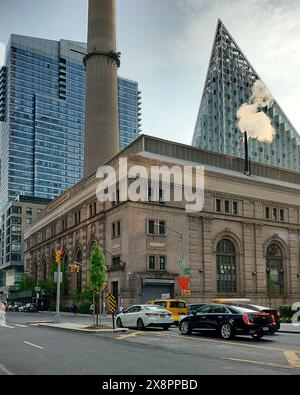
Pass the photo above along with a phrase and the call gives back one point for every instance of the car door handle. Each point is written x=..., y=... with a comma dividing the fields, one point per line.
x=204, y=317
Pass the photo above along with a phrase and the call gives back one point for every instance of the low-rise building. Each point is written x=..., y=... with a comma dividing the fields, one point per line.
x=247, y=232
x=18, y=214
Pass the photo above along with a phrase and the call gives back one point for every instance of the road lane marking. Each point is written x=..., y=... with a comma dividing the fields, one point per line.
x=292, y=359
x=271, y=364
x=33, y=345
x=6, y=371
x=222, y=342
x=8, y=326
x=21, y=326
x=122, y=337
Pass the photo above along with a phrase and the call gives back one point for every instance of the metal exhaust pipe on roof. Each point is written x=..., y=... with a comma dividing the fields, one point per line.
x=247, y=159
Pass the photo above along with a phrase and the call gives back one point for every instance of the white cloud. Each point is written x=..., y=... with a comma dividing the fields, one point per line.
x=268, y=32
x=2, y=52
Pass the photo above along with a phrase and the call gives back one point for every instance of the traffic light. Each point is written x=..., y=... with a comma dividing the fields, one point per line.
x=74, y=268
x=58, y=256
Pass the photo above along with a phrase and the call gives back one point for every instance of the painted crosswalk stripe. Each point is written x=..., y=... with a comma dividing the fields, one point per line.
x=21, y=326
x=33, y=345
x=8, y=326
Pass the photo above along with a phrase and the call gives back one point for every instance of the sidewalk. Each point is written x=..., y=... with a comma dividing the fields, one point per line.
x=290, y=328
x=71, y=326
x=72, y=314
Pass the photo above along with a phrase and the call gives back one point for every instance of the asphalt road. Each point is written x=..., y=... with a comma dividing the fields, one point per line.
x=27, y=349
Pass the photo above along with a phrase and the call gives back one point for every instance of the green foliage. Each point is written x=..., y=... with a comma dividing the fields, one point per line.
x=26, y=283
x=97, y=270
x=84, y=308
x=286, y=312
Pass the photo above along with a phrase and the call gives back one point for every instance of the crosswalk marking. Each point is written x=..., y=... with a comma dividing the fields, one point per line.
x=33, y=345
x=292, y=358
x=21, y=326
x=8, y=326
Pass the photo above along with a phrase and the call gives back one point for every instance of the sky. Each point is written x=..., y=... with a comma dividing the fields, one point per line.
x=166, y=45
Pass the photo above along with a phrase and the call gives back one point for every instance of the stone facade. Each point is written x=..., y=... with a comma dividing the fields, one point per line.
x=253, y=214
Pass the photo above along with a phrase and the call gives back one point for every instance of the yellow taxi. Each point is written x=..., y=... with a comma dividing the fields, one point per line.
x=177, y=307
x=230, y=300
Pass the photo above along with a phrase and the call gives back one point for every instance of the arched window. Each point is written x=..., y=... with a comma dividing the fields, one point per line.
x=35, y=272
x=226, y=267
x=44, y=271
x=275, y=266
x=79, y=274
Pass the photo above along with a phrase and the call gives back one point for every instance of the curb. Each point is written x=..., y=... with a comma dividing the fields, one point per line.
x=96, y=331
x=292, y=332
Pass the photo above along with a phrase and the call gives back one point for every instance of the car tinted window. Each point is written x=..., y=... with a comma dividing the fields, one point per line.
x=203, y=310
x=177, y=305
x=219, y=310
x=131, y=309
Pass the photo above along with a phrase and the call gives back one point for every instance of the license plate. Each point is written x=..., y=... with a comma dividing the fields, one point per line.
x=265, y=328
x=162, y=316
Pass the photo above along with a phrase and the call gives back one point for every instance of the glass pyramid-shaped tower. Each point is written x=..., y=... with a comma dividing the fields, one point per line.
x=228, y=85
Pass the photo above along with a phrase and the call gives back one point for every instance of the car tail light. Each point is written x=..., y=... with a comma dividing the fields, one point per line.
x=273, y=320
x=247, y=319
x=278, y=314
x=151, y=314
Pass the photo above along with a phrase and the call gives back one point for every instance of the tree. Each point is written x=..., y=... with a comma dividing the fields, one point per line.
x=97, y=276
x=272, y=289
x=26, y=283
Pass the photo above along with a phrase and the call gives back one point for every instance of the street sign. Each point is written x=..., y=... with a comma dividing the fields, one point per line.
x=37, y=289
x=186, y=272
x=184, y=283
x=181, y=263
x=60, y=277
x=112, y=304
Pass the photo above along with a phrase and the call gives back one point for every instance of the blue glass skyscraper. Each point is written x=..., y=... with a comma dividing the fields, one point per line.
x=42, y=106
x=42, y=120
x=43, y=117
x=129, y=111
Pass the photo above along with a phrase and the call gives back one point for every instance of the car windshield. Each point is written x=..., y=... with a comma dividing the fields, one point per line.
x=160, y=304
x=177, y=305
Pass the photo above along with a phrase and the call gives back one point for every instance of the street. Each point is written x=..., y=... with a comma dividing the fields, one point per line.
x=29, y=349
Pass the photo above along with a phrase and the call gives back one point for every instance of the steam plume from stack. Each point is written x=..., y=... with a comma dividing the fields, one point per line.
x=251, y=117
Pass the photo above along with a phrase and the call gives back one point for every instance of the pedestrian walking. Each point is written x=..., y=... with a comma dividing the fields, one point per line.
x=75, y=309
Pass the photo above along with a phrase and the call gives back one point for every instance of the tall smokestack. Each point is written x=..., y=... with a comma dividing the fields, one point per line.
x=101, y=61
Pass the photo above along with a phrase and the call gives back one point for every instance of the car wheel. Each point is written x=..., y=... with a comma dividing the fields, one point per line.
x=140, y=325
x=226, y=331
x=185, y=328
x=166, y=327
x=119, y=323
x=258, y=335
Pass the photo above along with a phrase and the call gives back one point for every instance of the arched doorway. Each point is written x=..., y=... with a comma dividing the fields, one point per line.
x=274, y=262
x=66, y=275
x=44, y=274
x=79, y=274
x=226, y=267
x=35, y=272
